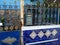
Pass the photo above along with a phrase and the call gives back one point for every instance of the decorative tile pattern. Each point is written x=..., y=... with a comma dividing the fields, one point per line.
x=33, y=35
x=48, y=33
x=10, y=37
x=9, y=40
x=54, y=32
x=41, y=34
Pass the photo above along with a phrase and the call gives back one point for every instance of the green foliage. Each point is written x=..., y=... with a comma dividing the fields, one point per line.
x=46, y=3
x=46, y=11
x=38, y=3
x=32, y=0
x=2, y=19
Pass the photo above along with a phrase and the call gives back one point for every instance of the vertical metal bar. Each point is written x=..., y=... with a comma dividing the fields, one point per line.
x=55, y=16
x=39, y=19
x=44, y=15
x=58, y=11
x=51, y=15
x=10, y=11
x=47, y=15
x=40, y=16
x=4, y=24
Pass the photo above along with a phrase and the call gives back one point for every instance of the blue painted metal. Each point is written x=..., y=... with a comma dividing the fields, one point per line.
x=28, y=39
x=6, y=34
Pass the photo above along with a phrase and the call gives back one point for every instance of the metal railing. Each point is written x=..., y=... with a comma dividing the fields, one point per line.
x=10, y=17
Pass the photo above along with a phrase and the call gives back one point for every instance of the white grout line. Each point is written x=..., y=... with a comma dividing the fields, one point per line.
x=39, y=27
x=42, y=42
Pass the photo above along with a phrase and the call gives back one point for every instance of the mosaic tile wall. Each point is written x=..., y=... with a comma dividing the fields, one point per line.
x=48, y=36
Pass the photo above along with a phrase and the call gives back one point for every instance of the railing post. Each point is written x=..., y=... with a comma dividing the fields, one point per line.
x=22, y=11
